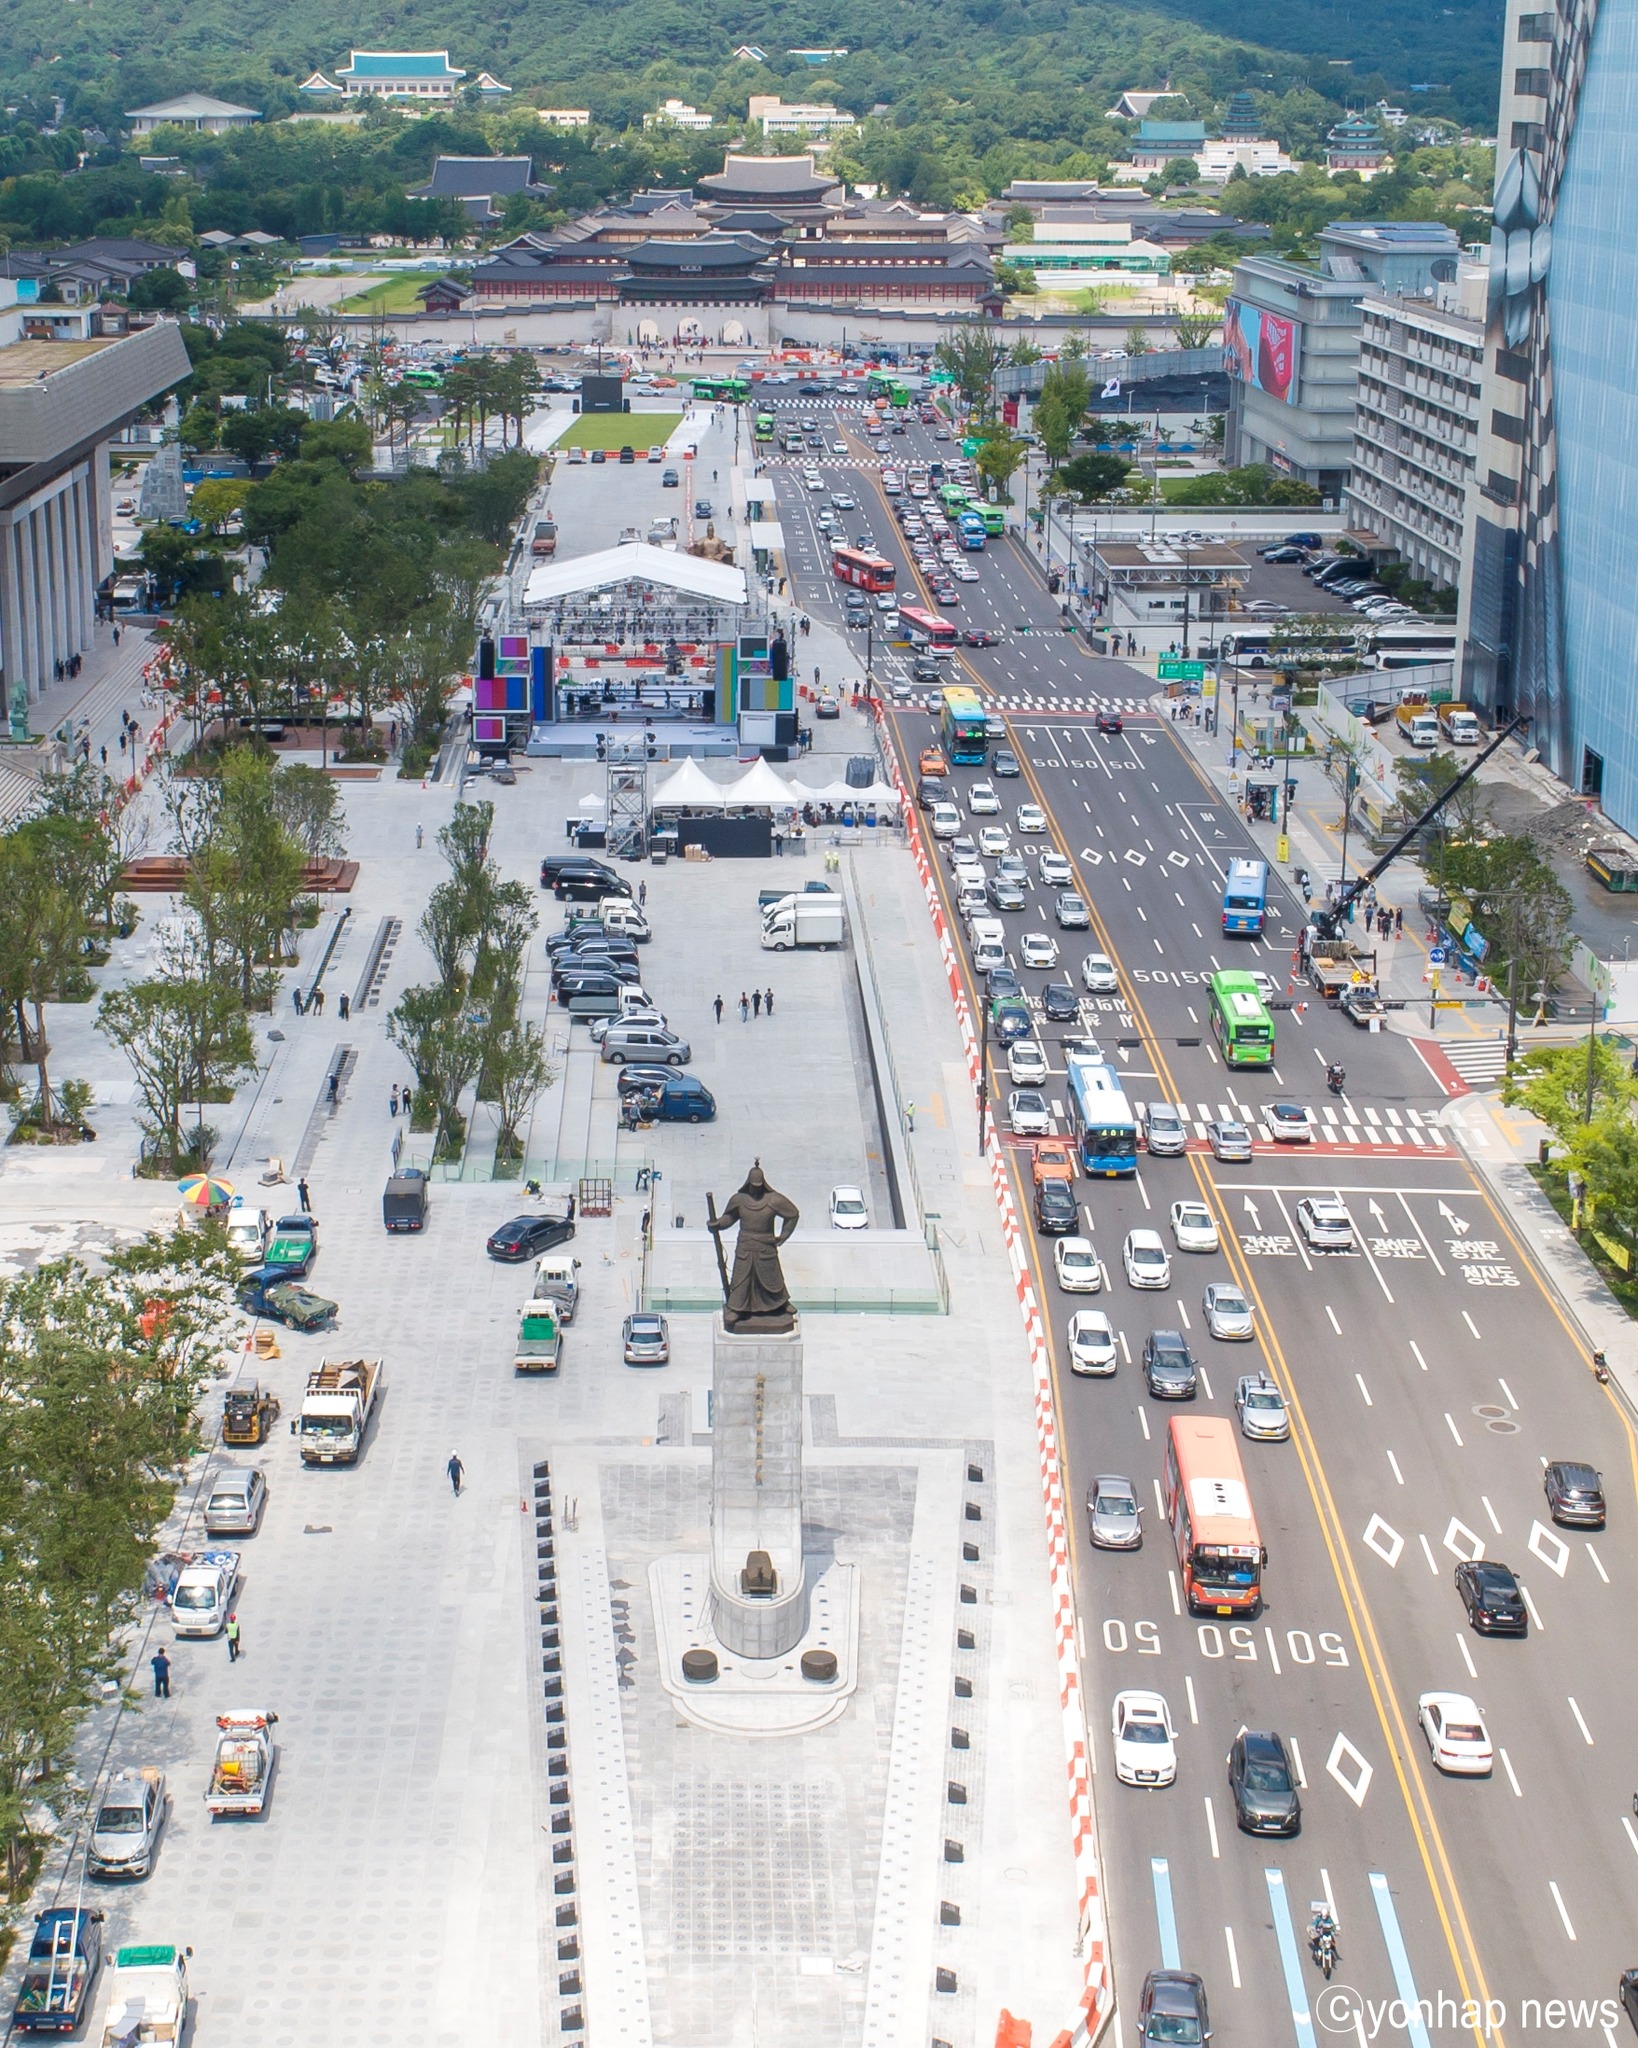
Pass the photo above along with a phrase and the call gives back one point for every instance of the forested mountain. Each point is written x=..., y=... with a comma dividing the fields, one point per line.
x=620, y=56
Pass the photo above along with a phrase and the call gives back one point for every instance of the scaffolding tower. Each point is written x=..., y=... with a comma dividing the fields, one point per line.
x=627, y=799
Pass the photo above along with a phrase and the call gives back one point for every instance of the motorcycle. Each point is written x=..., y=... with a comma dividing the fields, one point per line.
x=1322, y=1943
x=1335, y=1079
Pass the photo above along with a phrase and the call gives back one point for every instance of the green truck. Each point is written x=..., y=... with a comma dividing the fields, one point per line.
x=540, y=1337
x=294, y=1245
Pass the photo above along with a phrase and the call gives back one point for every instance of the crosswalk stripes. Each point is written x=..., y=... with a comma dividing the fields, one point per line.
x=1350, y=1128
x=1478, y=1061
x=1025, y=707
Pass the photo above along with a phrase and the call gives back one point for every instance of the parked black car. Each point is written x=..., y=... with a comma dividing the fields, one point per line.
x=526, y=1237
x=1056, y=1211
x=1264, y=1787
x=556, y=863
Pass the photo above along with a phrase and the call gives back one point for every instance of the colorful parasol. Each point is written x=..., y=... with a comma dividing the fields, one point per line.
x=204, y=1191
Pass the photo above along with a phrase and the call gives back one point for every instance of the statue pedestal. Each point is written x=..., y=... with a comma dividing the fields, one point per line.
x=756, y=1492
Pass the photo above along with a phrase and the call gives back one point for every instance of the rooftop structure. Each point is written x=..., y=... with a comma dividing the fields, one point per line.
x=566, y=117
x=197, y=111
x=1355, y=144
x=478, y=182
x=675, y=113
x=784, y=184
x=390, y=74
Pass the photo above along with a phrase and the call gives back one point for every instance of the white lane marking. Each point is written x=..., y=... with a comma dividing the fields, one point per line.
x=1507, y=1393
x=1417, y=1355
x=1211, y=1829
x=1421, y=1233
x=1463, y=1543
x=1450, y=1424
x=1143, y=1421
x=1144, y=1192
x=1177, y=1604
x=1598, y=1564
x=1359, y=1378
x=1291, y=1743
x=1194, y=1711
x=1234, y=1960
x=1467, y=1656
x=1551, y=1550
x=1125, y=1348
x=1473, y=1326
x=1427, y=1552
x=1580, y=1720
x=1183, y=1312
x=1332, y=1314
x=1518, y=1789
x=1384, y=1540
x=1330, y=1896
x=1394, y=1462
x=1531, y=1605
x=1558, y=1901
x=1160, y=1501
x=1205, y=1381
x=1273, y=1653
x=1344, y=1752
x=1632, y=1833
x=1484, y=1502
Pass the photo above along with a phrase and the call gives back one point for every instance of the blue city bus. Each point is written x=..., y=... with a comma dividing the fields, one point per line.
x=1104, y=1126
x=972, y=530
x=1245, y=896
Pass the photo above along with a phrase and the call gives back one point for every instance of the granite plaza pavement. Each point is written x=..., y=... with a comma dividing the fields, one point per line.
x=406, y=1885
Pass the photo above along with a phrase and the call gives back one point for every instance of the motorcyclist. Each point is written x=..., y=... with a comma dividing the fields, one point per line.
x=1335, y=1077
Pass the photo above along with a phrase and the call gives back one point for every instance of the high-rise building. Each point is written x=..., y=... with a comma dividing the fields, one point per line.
x=1550, y=612
x=1416, y=421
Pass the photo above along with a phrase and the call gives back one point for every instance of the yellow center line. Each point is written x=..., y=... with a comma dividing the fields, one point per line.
x=1373, y=1660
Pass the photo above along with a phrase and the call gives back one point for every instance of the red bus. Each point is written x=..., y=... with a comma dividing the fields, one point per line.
x=1208, y=1505
x=859, y=566
x=926, y=629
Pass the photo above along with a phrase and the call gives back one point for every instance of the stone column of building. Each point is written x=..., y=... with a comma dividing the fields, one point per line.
x=37, y=668
x=13, y=662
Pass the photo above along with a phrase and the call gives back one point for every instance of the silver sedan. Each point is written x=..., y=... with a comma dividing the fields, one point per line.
x=1228, y=1313
x=1113, y=1518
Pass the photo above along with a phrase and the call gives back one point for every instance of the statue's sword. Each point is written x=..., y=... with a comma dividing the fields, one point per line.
x=716, y=1239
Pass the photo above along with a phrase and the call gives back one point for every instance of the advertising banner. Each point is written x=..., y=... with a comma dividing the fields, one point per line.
x=1261, y=349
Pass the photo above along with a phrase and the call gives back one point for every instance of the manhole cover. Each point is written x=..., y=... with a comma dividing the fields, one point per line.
x=1492, y=1414
x=1502, y=1428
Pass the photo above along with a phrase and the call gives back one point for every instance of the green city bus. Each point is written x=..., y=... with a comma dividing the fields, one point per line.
x=879, y=385
x=722, y=390
x=1239, y=1020
x=995, y=520
x=953, y=497
x=763, y=426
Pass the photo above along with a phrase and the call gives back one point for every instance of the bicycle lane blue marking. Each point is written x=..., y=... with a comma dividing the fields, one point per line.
x=1285, y=1936
x=1404, y=1983
x=1165, y=1913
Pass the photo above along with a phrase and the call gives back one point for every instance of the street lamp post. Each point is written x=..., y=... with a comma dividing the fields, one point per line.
x=983, y=1080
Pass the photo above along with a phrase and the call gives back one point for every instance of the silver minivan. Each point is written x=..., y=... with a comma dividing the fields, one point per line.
x=234, y=1505
x=647, y=1042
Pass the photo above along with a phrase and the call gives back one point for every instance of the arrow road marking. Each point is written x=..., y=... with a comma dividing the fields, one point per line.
x=1251, y=1211
x=1455, y=1221
x=1381, y=1220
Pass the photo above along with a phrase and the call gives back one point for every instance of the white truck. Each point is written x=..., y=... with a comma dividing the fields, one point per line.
x=241, y=1775
x=540, y=1337
x=1459, y=725
x=147, y=1995
x=803, y=921
x=203, y=1595
x=335, y=1410
x=557, y=1280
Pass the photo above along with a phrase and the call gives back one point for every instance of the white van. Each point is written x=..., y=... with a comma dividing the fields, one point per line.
x=620, y=914
x=989, y=938
x=944, y=821
x=557, y=1279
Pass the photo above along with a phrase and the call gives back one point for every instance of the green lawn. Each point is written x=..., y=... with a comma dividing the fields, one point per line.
x=391, y=295
x=639, y=430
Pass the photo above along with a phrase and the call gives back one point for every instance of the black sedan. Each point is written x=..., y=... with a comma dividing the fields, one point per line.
x=1002, y=981
x=526, y=1237
x=1264, y=1788
x=1168, y=1366
x=1059, y=1002
x=1172, y=2011
x=1575, y=1494
x=981, y=636
x=1110, y=721
x=1490, y=1593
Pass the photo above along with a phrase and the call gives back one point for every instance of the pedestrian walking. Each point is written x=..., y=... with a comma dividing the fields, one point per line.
x=756, y=1002
x=744, y=1007
x=1399, y=922
x=392, y=1100
x=717, y=1006
x=642, y=895
x=301, y=1196
x=909, y=1116
x=161, y=1666
x=318, y=1001
x=104, y=751
x=455, y=1469
x=345, y=1007
x=767, y=1000
x=116, y=636
x=295, y=997
x=408, y=1100
x=231, y=1631
x=334, y=1089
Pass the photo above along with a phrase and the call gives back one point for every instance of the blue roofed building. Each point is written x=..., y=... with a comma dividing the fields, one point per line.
x=391, y=74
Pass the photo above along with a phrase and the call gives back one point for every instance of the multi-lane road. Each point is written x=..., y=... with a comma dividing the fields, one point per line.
x=1430, y=1375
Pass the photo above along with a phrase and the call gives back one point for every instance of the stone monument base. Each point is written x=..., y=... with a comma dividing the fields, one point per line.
x=754, y=1695
x=756, y=1490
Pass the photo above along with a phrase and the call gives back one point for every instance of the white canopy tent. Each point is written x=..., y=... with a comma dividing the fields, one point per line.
x=762, y=787
x=690, y=789
x=636, y=562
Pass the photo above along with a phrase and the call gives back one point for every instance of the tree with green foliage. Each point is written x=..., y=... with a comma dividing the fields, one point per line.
x=188, y=1040
x=1000, y=455
x=180, y=565
x=971, y=354
x=245, y=876
x=1520, y=906
x=1579, y=1091
x=1091, y=479
x=44, y=902
x=515, y=1073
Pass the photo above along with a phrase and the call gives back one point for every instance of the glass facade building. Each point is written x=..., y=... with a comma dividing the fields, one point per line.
x=1550, y=606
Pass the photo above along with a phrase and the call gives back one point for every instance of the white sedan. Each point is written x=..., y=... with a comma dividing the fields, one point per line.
x=1031, y=818
x=1091, y=1343
x=964, y=572
x=1457, y=1737
x=1145, y=1260
x=1098, y=976
x=1194, y=1228
x=993, y=842
x=1026, y=1063
x=1038, y=949
x=1055, y=870
x=1077, y=1265
x=847, y=1209
x=1028, y=1115
x=1145, y=1740
x=982, y=800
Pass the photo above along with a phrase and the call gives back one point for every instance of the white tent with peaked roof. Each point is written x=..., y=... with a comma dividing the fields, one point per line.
x=762, y=787
x=690, y=789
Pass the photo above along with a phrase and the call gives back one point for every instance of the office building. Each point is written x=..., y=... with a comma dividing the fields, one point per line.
x=61, y=402
x=1416, y=423
x=1550, y=613
x=1291, y=343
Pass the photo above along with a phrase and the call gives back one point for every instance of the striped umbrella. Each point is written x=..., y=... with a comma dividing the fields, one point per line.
x=204, y=1191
